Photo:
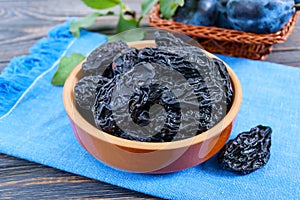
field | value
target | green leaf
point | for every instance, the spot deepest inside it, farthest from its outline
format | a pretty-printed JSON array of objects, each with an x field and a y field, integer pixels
[
  {"x": 65, "y": 66},
  {"x": 147, "y": 5},
  {"x": 101, "y": 4},
  {"x": 85, "y": 22},
  {"x": 168, "y": 7},
  {"x": 129, "y": 36},
  {"x": 127, "y": 19}
]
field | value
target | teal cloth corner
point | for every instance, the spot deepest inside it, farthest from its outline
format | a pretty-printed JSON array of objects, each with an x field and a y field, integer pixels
[{"x": 42, "y": 133}]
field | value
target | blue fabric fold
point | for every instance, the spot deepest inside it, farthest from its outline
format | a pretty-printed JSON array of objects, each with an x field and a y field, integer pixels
[
  {"x": 38, "y": 129},
  {"x": 23, "y": 70}
]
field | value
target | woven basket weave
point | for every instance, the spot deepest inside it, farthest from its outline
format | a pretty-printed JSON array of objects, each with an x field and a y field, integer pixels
[{"x": 226, "y": 41}]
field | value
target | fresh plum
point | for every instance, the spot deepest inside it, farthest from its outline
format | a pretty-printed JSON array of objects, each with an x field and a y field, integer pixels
[
  {"x": 222, "y": 20},
  {"x": 186, "y": 12},
  {"x": 206, "y": 13},
  {"x": 199, "y": 13},
  {"x": 259, "y": 16}
]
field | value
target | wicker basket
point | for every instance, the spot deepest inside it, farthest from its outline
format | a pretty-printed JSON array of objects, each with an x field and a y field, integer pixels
[{"x": 226, "y": 41}]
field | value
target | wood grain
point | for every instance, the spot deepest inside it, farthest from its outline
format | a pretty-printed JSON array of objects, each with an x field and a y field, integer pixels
[
  {"x": 20, "y": 179},
  {"x": 24, "y": 22}
]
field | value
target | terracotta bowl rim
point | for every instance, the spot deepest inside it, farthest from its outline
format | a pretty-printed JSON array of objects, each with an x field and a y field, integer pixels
[{"x": 77, "y": 118}]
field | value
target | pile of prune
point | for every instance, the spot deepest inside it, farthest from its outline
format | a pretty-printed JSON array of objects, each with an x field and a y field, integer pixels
[
  {"x": 248, "y": 152},
  {"x": 256, "y": 16},
  {"x": 171, "y": 92}
]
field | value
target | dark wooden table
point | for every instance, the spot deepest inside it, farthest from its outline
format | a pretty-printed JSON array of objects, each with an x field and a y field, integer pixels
[{"x": 22, "y": 23}]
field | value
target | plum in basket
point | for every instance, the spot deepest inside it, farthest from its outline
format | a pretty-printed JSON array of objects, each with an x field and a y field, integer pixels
[{"x": 259, "y": 16}]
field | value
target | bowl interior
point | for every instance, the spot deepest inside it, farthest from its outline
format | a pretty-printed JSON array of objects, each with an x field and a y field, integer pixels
[{"x": 80, "y": 121}]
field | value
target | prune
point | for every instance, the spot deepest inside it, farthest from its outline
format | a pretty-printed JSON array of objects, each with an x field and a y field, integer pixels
[
  {"x": 109, "y": 109},
  {"x": 85, "y": 90},
  {"x": 100, "y": 59},
  {"x": 260, "y": 16},
  {"x": 192, "y": 76},
  {"x": 166, "y": 39},
  {"x": 125, "y": 61},
  {"x": 215, "y": 75},
  {"x": 222, "y": 83},
  {"x": 248, "y": 152},
  {"x": 171, "y": 92}
]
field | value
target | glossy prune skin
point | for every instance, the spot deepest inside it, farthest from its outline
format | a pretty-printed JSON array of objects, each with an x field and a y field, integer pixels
[
  {"x": 85, "y": 90},
  {"x": 216, "y": 76},
  {"x": 163, "y": 94},
  {"x": 103, "y": 109},
  {"x": 99, "y": 60},
  {"x": 139, "y": 104},
  {"x": 123, "y": 62},
  {"x": 259, "y": 16},
  {"x": 248, "y": 152}
]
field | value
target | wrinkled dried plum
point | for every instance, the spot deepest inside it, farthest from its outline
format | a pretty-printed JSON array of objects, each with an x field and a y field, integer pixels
[
  {"x": 101, "y": 58},
  {"x": 171, "y": 92},
  {"x": 167, "y": 39},
  {"x": 215, "y": 75},
  {"x": 125, "y": 61},
  {"x": 85, "y": 90},
  {"x": 139, "y": 101},
  {"x": 248, "y": 152},
  {"x": 101, "y": 110},
  {"x": 192, "y": 76}
]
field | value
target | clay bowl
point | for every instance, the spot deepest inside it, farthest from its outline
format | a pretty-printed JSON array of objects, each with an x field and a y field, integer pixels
[{"x": 147, "y": 157}]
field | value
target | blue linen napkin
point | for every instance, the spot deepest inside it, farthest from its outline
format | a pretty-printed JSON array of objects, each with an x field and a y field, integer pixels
[{"x": 34, "y": 126}]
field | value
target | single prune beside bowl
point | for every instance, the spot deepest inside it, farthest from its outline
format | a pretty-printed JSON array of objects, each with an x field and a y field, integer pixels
[
  {"x": 259, "y": 16},
  {"x": 248, "y": 152}
]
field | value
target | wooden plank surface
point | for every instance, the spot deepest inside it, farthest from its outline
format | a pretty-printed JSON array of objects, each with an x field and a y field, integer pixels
[
  {"x": 20, "y": 179},
  {"x": 24, "y": 22}
]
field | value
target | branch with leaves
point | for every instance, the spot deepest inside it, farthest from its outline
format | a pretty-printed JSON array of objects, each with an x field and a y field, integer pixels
[
  {"x": 127, "y": 17},
  {"x": 127, "y": 21}
]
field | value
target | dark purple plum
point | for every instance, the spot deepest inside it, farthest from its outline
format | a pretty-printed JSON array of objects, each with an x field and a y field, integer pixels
[
  {"x": 206, "y": 13},
  {"x": 222, "y": 20},
  {"x": 259, "y": 16},
  {"x": 186, "y": 12},
  {"x": 297, "y": 2}
]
